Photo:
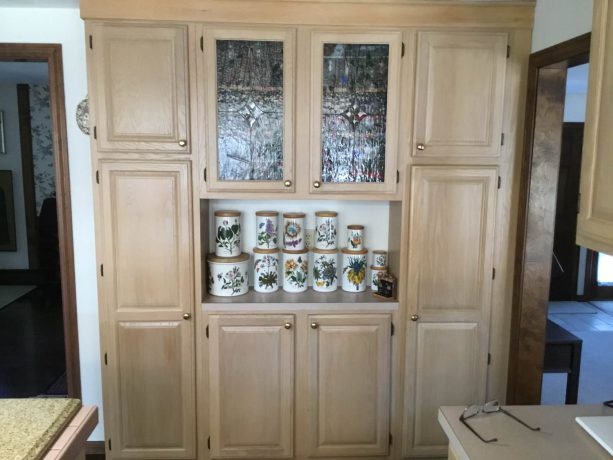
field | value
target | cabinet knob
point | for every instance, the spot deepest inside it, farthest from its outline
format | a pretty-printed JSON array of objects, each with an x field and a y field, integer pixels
[
  {"x": 287, "y": 183},
  {"x": 187, "y": 316},
  {"x": 182, "y": 143},
  {"x": 414, "y": 317},
  {"x": 288, "y": 325},
  {"x": 316, "y": 184},
  {"x": 314, "y": 325},
  {"x": 421, "y": 147}
]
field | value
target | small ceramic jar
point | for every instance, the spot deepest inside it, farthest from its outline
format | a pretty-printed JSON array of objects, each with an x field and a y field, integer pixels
[
  {"x": 266, "y": 229},
  {"x": 227, "y": 233},
  {"x": 354, "y": 270},
  {"x": 325, "y": 229},
  {"x": 355, "y": 236},
  {"x": 228, "y": 276},
  {"x": 295, "y": 270},
  {"x": 379, "y": 259},
  {"x": 293, "y": 231},
  {"x": 265, "y": 270},
  {"x": 325, "y": 278},
  {"x": 375, "y": 274}
]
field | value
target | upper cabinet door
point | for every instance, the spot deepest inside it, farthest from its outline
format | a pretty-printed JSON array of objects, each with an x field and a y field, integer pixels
[
  {"x": 140, "y": 77},
  {"x": 459, "y": 94},
  {"x": 249, "y": 81},
  {"x": 595, "y": 221},
  {"x": 354, "y": 124}
]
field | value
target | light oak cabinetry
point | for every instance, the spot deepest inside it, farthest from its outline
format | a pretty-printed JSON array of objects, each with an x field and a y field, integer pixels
[{"x": 595, "y": 221}]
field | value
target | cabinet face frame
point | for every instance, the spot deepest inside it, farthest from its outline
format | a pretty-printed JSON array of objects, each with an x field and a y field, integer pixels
[
  {"x": 394, "y": 40},
  {"x": 208, "y": 78}
]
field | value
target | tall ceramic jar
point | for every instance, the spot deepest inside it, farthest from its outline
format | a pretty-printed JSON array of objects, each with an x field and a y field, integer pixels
[
  {"x": 265, "y": 270},
  {"x": 375, "y": 274},
  {"x": 354, "y": 270},
  {"x": 266, "y": 229},
  {"x": 326, "y": 224},
  {"x": 227, "y": 233},
  {"x": 228, "y": 276},
  {"x": 355, "y": 237},
  {"x": 379, "y": 259},
  {"x": 293, "y": 231},
  {"x": 295, "y": 270},
  {"x": 325, "y": 265}
]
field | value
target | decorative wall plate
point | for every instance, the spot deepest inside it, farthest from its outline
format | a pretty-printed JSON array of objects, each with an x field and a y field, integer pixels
[{"x": 82, "y": 115}]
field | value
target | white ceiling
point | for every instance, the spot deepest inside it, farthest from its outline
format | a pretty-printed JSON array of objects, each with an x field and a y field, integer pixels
[
  {"x": 39, "y": 3},
  {"x": 576, "y": 79},
  {"x": 32, "y": 73}
]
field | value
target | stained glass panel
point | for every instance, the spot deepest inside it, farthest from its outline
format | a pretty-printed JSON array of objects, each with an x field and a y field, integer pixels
[
  {"x": 250, "y": 110},
  {"x": 354, "y": 110}
]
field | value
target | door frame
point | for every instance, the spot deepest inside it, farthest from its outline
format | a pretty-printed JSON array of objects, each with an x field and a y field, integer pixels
[
  {"x": 52, "y": 55},
  {"x": 529, "y": 318}
]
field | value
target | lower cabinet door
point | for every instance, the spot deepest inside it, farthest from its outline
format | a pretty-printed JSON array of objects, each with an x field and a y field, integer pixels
[
  {"x": 251, "y": 369},
  {"x": 349, "y": 385}
]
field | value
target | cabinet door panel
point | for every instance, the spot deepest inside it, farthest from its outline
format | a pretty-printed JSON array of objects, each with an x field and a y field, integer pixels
[
  {"x": 141, "y": 84},
  {"x": 251, "y": 386},
  {"x": 349, "y": 379},
  {"x": 459, "y": 93}
]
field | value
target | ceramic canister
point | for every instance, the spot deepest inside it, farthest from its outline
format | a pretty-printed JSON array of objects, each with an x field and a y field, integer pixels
[
  {"x": 228, "y": 276},
  {"x": 227, "y": 233},
  {"x": 379, "y": 259},
  {"x": 266, "y": 230},
  {"x": 354, "y": 270},
  {"x": 265, "y": 270},
  {"x": 355, "y": 236},
  {"x": 295, "y": 270},
  {"x": 325, "y": 229},
  {"x": 375, "y": 274},
  {"x": 325, "y": 264},
  {"x": 293, "y": 231}
]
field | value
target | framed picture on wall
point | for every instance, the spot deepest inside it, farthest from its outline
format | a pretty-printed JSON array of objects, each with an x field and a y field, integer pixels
[{"x": 7, "y": 212}]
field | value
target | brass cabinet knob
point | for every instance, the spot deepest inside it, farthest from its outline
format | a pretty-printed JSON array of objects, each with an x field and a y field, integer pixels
[
  {"x": 288, "y": 325},
  {"x": 421, "y": 147},
  {"x": 287, "y": 183},
  {"x": 414, "y": 317},
  {"x": 182, "y": 143},
  {"x": 316, "y": 184},
  {"x": 187, "y": 316},
  {"x": 314, "y": 325}
]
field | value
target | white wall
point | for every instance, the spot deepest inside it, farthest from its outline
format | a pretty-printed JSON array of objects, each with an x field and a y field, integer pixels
[
  {"x": 556, "y": 21},
  {"x": 64, "y": 26}
]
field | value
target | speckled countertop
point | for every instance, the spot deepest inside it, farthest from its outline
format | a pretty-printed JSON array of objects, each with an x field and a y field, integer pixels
[{"x": 29, "y": 426}]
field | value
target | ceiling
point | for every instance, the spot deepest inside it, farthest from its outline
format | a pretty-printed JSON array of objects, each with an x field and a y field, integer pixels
[
  {"x": 39, "y": 3},
  {"x": 32, "y": 73}
]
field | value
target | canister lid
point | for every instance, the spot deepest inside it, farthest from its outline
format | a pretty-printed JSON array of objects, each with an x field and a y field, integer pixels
[
  {"x": 379, "y": 251},
  {"x": 326, "y": 213},
  {"x": 374, "y": 267},
  {"x": 349, "y": 251},
  {"x": 242, "y": 257},
  {"x": 267, "y": 213},
  {"x": 355, "y": 227},
  {"x": 293, "y": 251},
  {"x": 227, "y": 213},
  {"x": 293, "y": 215},
  {"x": 265, "y": 251},
  {"x": 324, "y": 251}
]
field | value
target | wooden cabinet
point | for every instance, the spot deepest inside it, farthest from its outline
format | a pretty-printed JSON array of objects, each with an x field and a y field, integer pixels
[
  {"x": 349, "y": 385},
  {"x": 449, "y": 296},
  {"x": 147, "y": 299},
  {"x": 251, "y": 375},
  {"x": 595, "y": 221},
  {"x": 459, "y": 94},
  {"x": 139, "y": 84}
]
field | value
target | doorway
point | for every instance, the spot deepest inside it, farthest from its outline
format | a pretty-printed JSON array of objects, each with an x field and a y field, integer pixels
[{"x": 38, "y": 328}]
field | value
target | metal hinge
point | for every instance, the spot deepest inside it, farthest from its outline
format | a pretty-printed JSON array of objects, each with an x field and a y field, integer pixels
[
  {"x": 91, "y": 43},
  {"x": 204, "y": 174},
  {"x": 202, "y": 43},
  {"x": 493, "y": 273},
  {"x": 106, "y": 361},
  {"x": 208, "y": 443},
  {"x": 95, "y": 133},
  {"x": 207, "y": 331},
  {"x": 110, "y": 444},
  {"x": 101, "y": 269},
  {"x": 579, "y": 203},
  {"x": 391, "y": 439},
  {"x": 489, "y": 359},
  {"x": 397, "y": 176},
  {"x": 393, "y": 329},
  {"x": 508, "y": 51},
  {"x": 97, "y": 177},
  {"x": 402, "y": 52},
  {"x": 499, "y": 181},
  {"x": 501, "y": 138}
]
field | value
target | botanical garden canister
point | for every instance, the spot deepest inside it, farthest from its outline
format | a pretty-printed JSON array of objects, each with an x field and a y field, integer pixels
[
  {"x": 293, "y": 231},
  {"x": 354, "y": 270},
  {"x": 265, "y": 270},
  {"x": 266, "y": 229},
  {"x": 375, "y": 274},
  {"x": 295, "y": 270},
  {"x": 326, "y": 224},
  {"x": 355, "y": 237},
  {"x": 228, "y": 276},
  {"x": 227, "y": 233},
  {"x": 325, "y": 264},
  {"x": 379, "y": 259}
]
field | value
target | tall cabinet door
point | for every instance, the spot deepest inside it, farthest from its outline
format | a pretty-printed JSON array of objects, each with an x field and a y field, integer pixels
[
  {"x": 449, "y": 296},
  {"x": 140, "y": 80},
  {"x": 251, "y": 371},
  {"x": 148, "y": 299},
  {"x": 595, "y": 221},
  {"x": 348, "y": 385},
  {"x": 459, "y": 94}
]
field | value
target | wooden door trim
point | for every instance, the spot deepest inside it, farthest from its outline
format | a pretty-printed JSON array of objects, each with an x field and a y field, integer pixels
[
  {"x": 527, "y": 333},
  {"x": 52, "y": 55}
]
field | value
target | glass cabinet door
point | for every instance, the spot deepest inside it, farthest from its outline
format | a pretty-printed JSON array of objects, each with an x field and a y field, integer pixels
[
  {"x": 355, "y": 111},
  {"x": 249, "y": 92}
]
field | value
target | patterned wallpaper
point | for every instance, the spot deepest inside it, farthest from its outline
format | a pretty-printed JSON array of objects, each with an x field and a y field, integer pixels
[{"x": 42, "y": 144}]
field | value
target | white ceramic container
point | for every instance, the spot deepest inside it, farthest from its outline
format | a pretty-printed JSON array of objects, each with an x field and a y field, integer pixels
[
  {"x": 293, "y": 231},
  {"x": 227, "y": 233},
  {"x": 295, "y": 270},
  {"x": 379, "y": 259},
  {"x": 354, "y": 270},
  {"x": 265, "y": 270},
  {"x": 326, "y": 225},
  {"x": 325, "y": 265},
  {"x": 375, "y": 274},
  {"x": 228, "y": 276},
  {"x": 355, "y": 237},
  {"x": 266, "y": 230}
]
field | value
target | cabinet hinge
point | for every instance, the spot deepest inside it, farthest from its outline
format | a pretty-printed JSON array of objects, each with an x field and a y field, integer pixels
[
  {"x": 106, "y": 361},
  {"x": 202, "y": 43},
  {"x": 91, "y": 43},
  {"x": 579, "y": 203},
  {"x": 499, "y": 181},
  {"x": 402, "y": 51},
  {"x": 97, "y": 177},
  {"x": 110, "y": 444},
  {"x": 207, "y": 331},
  {"x": 391, "y": 439},
  {"x": 508, "y": 51},
  {"x": 101, "y": 269},
  {"x": 95, "y": 133},
  {"x": 489, "y": 359},
  {"x": 392, "y": 329},
  {"x": 204, "y": 174},
  {"x": 493, "y": 273},
  {"x": 397, "y": 176},
  {"x": 501, "y": 138},
  {"x": 208, "y": 443}
]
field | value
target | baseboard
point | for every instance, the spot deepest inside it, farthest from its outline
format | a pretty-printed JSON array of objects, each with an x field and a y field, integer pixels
[{"x": 94, "y": 448}]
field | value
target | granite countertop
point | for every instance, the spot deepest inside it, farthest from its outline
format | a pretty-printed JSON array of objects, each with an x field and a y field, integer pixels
[{"x": 29, "y": 426}]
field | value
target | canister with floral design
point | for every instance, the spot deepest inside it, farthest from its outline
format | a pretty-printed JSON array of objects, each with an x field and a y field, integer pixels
[
  {"x": 354, "y": 270},
  {"x": 228, "y": 276},
  {"x": 266, "y": 229},
  {"x": 355, "y": 237},
  {"x": 265, "y": 270},
  {"x": 379, "y": 259},
  {"x": 325, "y": 263},
  {"x": 227, "y": 233},
  {"x": 295, "y": 270},
  {"x": 293, "y": 231},
  {"x": 325, "y": 229},
  {"x": 375, "y": 274}
]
